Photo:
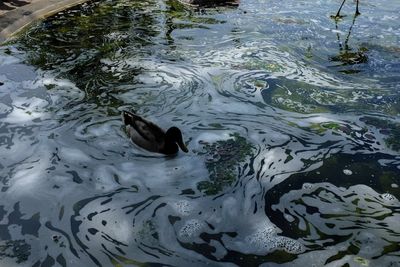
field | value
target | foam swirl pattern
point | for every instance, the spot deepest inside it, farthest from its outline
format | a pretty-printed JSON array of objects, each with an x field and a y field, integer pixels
[{"x": 294, "y": 151}]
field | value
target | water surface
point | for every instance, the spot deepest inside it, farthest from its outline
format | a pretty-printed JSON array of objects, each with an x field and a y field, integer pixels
[{"x": 292, "y": 121}]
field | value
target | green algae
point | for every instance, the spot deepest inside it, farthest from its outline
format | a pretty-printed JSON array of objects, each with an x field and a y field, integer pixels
[
  {"x": 349, "y": 57},
  {"x": 388, "y": 128},
  {"x": 295, "y": 96},
  {"x": 223, "y": 159},
  {"x": 321, "y": 128},
  {"x": 302, "y": 97},
  {"x": 17, "y": 249},
  {"x": 256, "y": 64},
  {"x": 338, "y": 129}
]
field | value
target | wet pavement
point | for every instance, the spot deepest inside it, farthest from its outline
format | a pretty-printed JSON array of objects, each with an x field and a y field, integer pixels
[
  {"x": 8, "y": 5},
  {"x": 16, "y": 15}
]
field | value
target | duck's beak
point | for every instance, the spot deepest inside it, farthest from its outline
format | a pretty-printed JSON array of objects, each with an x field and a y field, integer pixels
[
  {"x": 183, "y": 147},
  {"x": 127, "y": 118}
]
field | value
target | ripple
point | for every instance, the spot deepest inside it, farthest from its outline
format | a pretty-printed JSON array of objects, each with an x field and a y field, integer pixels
[
  {"x": 292, "y": 160},
  {"x": 326, "y": 213}
]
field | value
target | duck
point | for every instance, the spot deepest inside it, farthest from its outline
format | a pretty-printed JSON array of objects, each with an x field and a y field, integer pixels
[{"x": 151, "y": 137}]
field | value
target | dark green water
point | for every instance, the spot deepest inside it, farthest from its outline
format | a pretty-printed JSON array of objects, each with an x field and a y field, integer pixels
[{"x": 292, "y": 122}]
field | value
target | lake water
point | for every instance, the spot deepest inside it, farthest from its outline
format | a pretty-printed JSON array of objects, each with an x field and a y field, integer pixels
[{"x": 292, "y": 123}]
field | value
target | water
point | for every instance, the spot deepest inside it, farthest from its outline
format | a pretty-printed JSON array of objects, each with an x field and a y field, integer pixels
[{"x": 293, "y": 136}]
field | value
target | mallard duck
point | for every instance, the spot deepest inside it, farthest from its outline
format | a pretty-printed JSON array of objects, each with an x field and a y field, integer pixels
[{"x": 151, "y": 137}]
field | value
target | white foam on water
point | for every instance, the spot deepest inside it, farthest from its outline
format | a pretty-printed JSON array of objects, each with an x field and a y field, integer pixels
[
  {"x": 388, "y": 198},
  {"x": 265, "y": 240},
  {"x": 7, "y": 59},
  {"x": 183, "y": 207},
  {"x": 212, "y": 137},
  {"x": 29, "y": 178},
  {"x": 289, "y": 218},
  {"x": 114, "y": 164},
  {"x": 26, "y": 110},
  {"x": 120, "y": 230},
  {"x": 230, "y": 208},
  {"x": 74, "y": 155},
  {"x": 308, "y": 186},
  {"x": 26, "y": 180},
  {"x": 4, "y": 108},
  {"x": 18, "y": 72},
  {"x": 347, "y": 172},
  {"x": 191, "y": 229},
  {"x": 103, "y": 177}
]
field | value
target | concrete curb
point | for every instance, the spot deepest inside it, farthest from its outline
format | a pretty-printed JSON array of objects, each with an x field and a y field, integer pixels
[
  {"x": 15, "y": 20},
  {"x": 199, "y": 3}
]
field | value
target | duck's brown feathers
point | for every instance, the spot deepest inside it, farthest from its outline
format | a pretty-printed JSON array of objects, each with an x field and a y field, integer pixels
[{"x": 149, "y": 136}]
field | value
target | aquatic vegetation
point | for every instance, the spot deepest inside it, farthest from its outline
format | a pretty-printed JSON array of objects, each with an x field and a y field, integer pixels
[
  {"x": 223, "y": 159},
  {"x": 257, "y": 64},
  {"x": 387, "y": 128},
  {"x": 17, "y": 249},
  {"x": 297, "y": 96},
  {"x": 304, "y": 98},
  {"x": 336, "y": 128},
  {"x": 321, "y": 128}
]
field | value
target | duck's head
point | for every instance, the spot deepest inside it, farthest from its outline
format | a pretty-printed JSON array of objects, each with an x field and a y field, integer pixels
[
  {"x": 127, "y": 118},
  {"x": 175, "y": 135}
]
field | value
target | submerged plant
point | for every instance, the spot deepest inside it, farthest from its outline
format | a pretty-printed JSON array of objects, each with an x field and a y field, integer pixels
[
  {"x": 17, "y": 249},
  {"x": 388, "y": 128},
  {"x": 222, "y": 161}
]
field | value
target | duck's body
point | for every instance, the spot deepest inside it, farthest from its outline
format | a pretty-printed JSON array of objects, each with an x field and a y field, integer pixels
[{"x": 151, "y": 137}]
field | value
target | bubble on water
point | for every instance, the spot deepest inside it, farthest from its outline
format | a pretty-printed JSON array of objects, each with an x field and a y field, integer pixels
[
  {"x": 394, "y": 185},
  {"x": 347, "y": 172},
  {"x": 183, "y": 207},
  {"x": 289, "y": 218},
  {"x": 116, "y": 36},
  {"x": 388, "y": 197},
  {"x": 147, "y": 234},
  {"x": 307, "y": 186},
  {"x": 262, "y": 238},
  {"x": 266, "y": 240},
  {"x": 208, "y": 137},
  {"x": 191, "y": 228},
  {"x": 290, "y": 245}
]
